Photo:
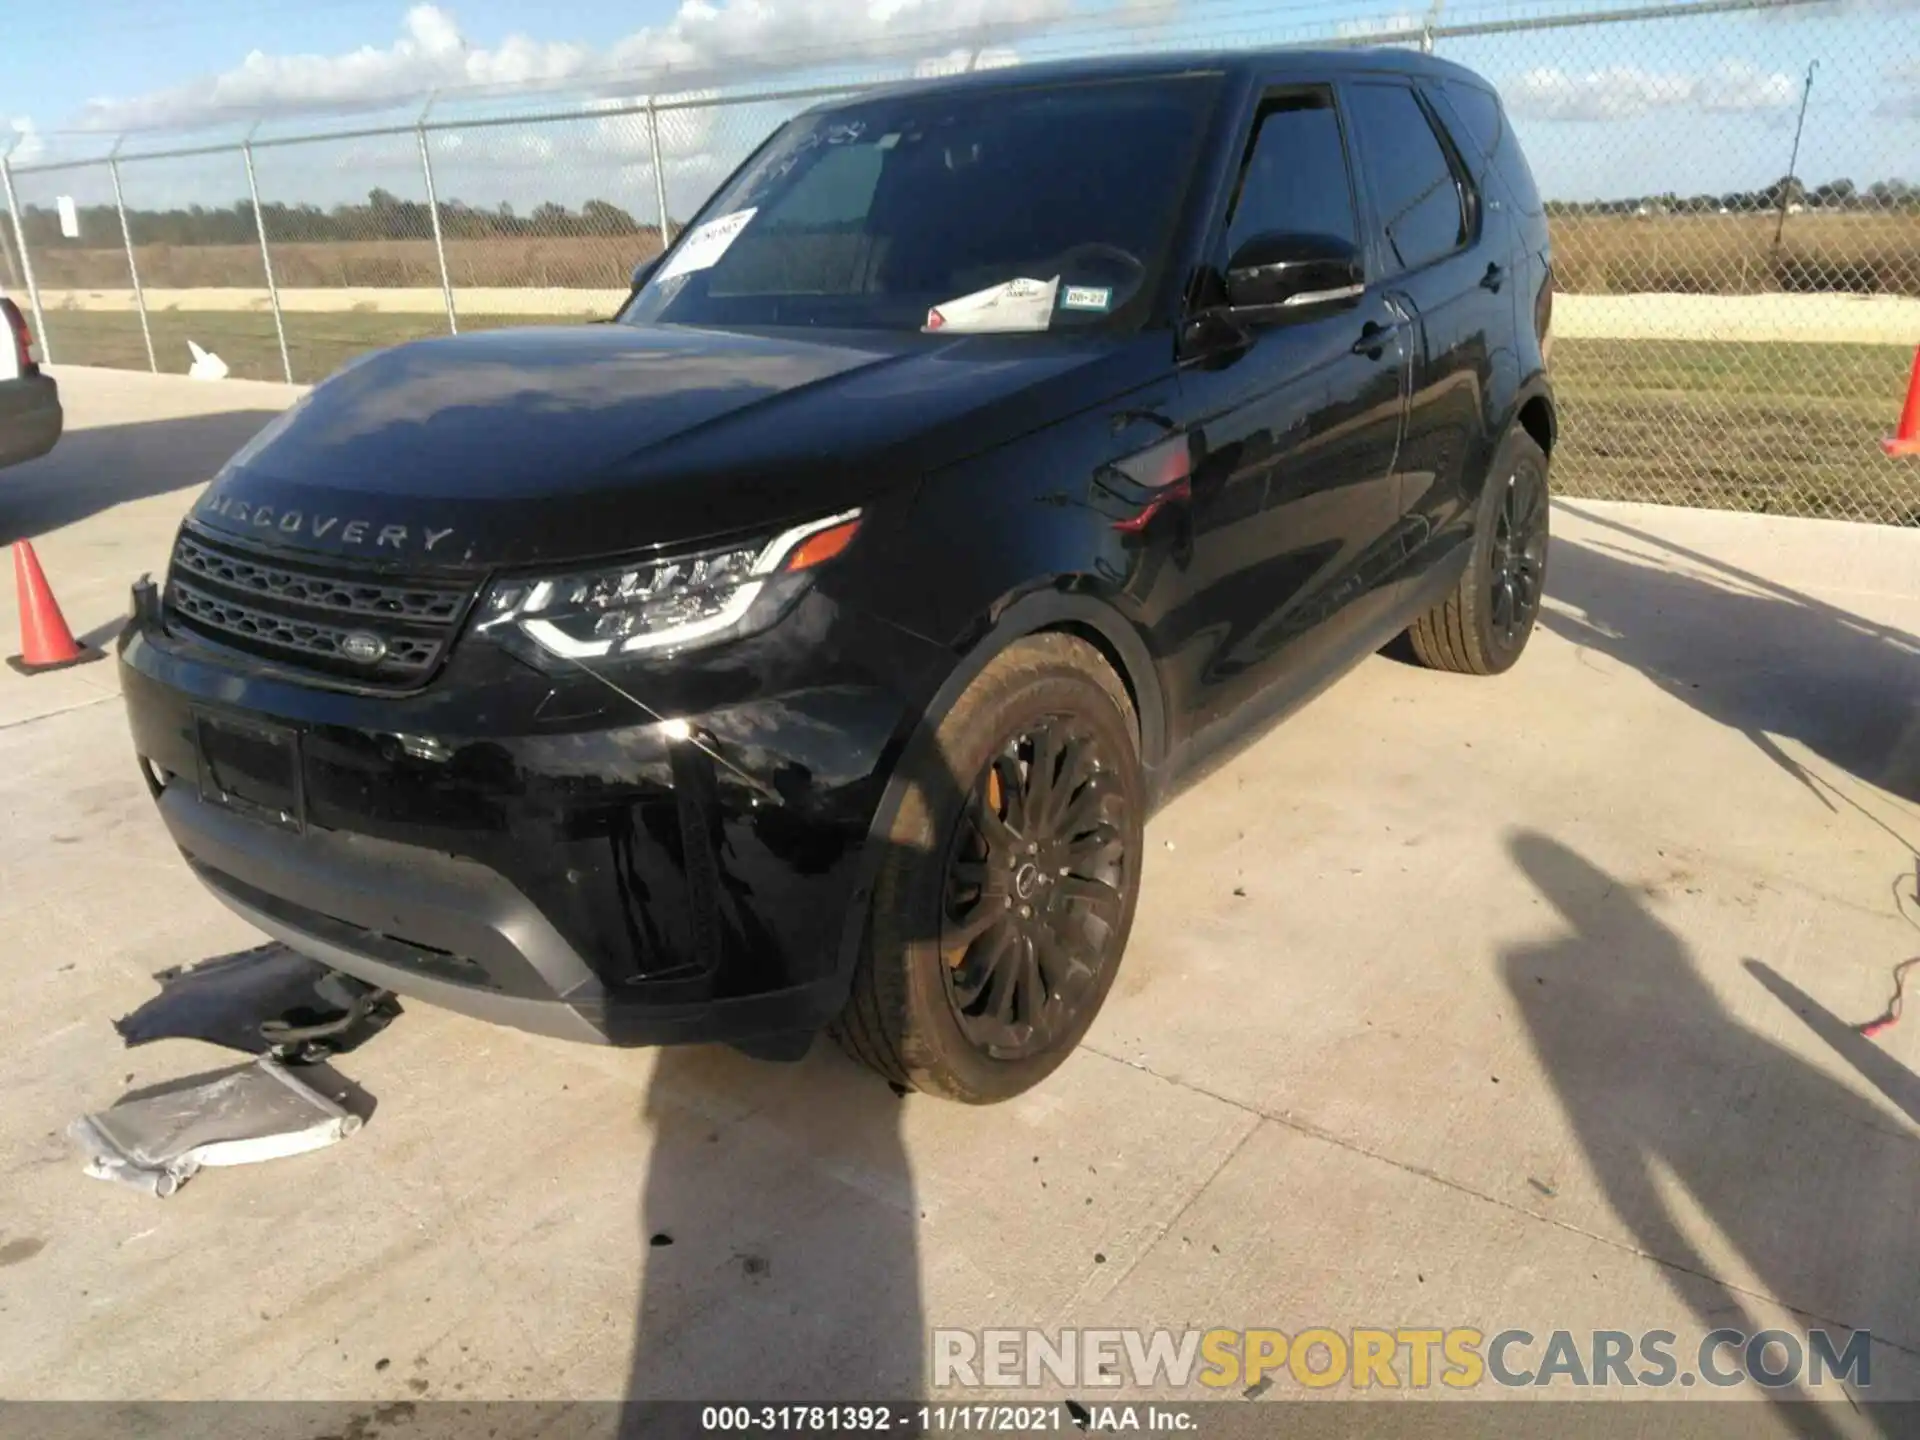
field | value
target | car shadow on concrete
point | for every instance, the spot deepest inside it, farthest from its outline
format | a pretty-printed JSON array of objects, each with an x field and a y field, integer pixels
[
  {"x": 780, "y": 1226},
  {"x": 779, "y": 1214},
  {"x": 101, "y": 466},
  {"x": 779, "y": 1211},
  {"x": 1759, "y": 657},
  {"x": 1741, "y": 1167}
]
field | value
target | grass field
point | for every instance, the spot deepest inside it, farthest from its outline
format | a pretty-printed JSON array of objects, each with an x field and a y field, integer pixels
[
  {"x": 572, "y": 261},
  {"x": 318, "y": 342},
  {"x": 1863, "y": 251},
  {"x": 1786, "y": 429}
]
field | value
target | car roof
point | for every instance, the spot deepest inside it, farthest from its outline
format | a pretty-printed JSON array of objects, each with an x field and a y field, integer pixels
[{"x": 1240, "y": 64}]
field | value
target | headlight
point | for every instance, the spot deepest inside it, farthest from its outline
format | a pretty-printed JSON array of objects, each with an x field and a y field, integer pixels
[{"x": 669, "y": 603}]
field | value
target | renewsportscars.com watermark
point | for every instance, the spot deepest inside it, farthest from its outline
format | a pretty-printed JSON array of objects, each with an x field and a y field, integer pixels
[{"x": 1404, "y": 1358}]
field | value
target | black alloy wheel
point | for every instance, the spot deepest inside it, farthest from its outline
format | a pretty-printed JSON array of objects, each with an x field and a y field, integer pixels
[
  {"x": 1519, "y": 555},
  {"x": 1035, "y": 889}
]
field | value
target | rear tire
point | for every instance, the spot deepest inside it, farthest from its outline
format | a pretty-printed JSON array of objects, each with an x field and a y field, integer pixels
[
  {"x": 1004, "y": 899},
  {"x": 1481, "y": 628}
]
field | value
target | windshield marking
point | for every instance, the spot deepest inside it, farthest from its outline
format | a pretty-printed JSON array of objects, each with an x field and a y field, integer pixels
[
  {"x": 702, "y": 249},
  {"x": 1086, "y": 297},
  {"x": 1015, "y": 305}
]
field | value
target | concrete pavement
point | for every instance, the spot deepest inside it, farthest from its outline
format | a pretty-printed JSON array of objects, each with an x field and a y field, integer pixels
[{"x": 1451, "y": 1002}]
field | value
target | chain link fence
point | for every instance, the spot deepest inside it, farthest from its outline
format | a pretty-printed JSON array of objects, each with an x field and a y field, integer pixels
[{"x": 1736, "y": 242}]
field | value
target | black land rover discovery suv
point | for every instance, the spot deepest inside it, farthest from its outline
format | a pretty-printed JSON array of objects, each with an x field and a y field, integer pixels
[{"x": 807, "y": 647}]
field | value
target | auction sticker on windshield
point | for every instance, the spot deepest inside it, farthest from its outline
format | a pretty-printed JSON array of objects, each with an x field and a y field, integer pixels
[
  {"x": 1014, "y": 305},
  {"x": 702, "y": 249}
]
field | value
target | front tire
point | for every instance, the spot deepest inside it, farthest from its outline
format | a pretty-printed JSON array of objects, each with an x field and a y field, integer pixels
[
  {"x": 1006, "y": 894},
  {"x": 1481, "y": 628}
]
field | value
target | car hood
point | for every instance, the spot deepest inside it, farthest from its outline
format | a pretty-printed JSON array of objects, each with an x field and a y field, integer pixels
[{"x": 532, "y": 445}]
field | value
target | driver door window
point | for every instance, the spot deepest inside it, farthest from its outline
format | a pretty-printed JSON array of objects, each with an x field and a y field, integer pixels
[{"x": 1295, "y": 178}]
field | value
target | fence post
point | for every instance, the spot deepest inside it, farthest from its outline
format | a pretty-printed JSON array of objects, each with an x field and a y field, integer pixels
[
  {"x": 12, "y": 275},
  {"x": 133, "y": 265},
  {"x": 659, "y": 174},
  {"x": 26, "y": 260},
  {"x": 439, "y": 242},
  {"x": 266, "y": 259}
]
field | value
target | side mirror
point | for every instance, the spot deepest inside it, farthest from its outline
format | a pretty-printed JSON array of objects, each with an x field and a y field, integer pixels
[
  {"x": 1287, "y": 272},
  {"x": 641, "y": 272}
]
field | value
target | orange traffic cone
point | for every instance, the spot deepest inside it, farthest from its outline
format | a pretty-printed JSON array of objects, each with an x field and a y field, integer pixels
[
  {"x": 1906, "y": 439},
  {"x": 45, "y": 641}
]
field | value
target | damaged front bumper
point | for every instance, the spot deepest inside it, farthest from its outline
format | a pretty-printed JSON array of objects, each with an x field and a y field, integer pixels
[{"x": 662, "y": 853}]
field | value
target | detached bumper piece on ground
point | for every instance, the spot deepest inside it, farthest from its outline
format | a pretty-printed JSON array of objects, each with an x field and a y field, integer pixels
[
  {"x": 158, "y": 1141},
  {"x": 271, "y": 1002}
]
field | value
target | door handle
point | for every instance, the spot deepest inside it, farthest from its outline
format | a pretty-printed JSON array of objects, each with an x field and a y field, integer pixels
[
  {"x": 1375, "y": 337},
  {"x": 1495, "y": 277}
]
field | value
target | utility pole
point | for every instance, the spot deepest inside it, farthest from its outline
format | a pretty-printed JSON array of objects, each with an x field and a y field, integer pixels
[{"x": 1793, "y": 161}]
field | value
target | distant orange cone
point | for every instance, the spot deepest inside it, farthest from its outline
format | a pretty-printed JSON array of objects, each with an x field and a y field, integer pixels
[
  {"x": 45, "y": 641},
  {"x": 1906, "y": 439}
]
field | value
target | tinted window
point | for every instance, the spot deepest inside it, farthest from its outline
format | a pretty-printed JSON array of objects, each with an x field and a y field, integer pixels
[
  {"x": 871, "y": 214},
  {"x": 1413, "y": 184},
  {"x": 1486, "y": 125},
  {"x": 1296, "y": 175}
]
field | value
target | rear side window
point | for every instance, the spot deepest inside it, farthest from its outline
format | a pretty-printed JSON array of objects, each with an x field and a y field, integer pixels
[
  {"x": 1419, "y": 197},
  {"x": 1295, "y": 178},
  {"x": 1485, "y": 122}
]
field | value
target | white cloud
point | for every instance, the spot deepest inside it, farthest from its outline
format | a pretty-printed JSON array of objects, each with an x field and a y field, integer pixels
[
  {"x": 1903, "y": 101},
  {"x": 1623, "y": 91},
  {"x": 1742, "y": 85},
  {"x": 1550, "y": 93},
  {"x": 27, "y": 146},
  {"x": 703, "y": 37}
]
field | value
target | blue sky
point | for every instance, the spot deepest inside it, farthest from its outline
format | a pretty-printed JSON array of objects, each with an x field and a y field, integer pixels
[{"x": 1696, "y": 104}]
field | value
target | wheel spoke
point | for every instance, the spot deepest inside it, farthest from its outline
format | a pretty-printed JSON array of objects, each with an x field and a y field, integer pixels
[
  {"x": 1000, "y": 989},
  {"x": 1102, "y": 898},
  {"x": 1067, "y": 973},
  {"x": 958, "y": 934},
  {"x": 1031, "y": 990},
  {"x": 1084, "y": 807},
  {"x": 1056, "y": 962},
  {"x": 1078, "y": 766},
  {"x": 972, "y": 977},
  {"x": 1094, "y": 846},
  {"x": 1013, "y": 789},
  {"x": 1041, "y": 782},
  {"x": 1503, "y": 602},
  {"x": 1530, "y": 510},
  {"x": 971, "y": 874}
]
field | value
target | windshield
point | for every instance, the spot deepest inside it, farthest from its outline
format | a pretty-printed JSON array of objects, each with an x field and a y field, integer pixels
[{"x": 986, "y": 210}]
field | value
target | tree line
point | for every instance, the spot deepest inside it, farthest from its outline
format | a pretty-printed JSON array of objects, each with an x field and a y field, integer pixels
[
  {"x": 384, "y": 216},
  {"x": 1882, "y": 197}
]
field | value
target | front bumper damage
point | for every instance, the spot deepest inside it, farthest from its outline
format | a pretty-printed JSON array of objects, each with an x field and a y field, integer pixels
[{"x": 670, "y": 852}]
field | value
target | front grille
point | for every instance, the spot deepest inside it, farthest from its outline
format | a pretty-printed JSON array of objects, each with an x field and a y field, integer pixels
[{"x": 350, "y": 625}]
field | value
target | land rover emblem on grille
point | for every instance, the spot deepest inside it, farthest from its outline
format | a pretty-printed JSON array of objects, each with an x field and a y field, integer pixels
[{"x": 364, "y": 646}]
